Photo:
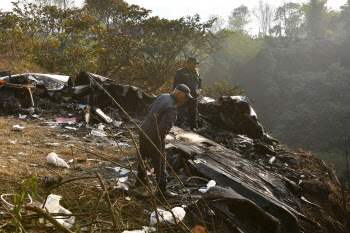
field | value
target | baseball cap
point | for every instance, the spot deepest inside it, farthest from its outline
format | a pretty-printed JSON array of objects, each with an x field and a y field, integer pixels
[
  {"x": 192, "y": 59},
  {"x": 183, "y": 88}
]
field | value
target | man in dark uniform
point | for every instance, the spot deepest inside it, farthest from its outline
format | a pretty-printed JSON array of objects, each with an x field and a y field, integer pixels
[
  {"x": 162, "y": 115},
  {"x": 189, "y": 76}
]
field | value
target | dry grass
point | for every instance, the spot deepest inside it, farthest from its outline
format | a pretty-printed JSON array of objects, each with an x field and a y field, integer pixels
[
  {"x": 23, "y": 153},
  {"x": 18, "y": 64}
]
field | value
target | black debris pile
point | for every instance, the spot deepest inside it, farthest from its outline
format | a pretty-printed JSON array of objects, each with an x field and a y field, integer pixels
[
  {"x": 257, "y": 195},
  {"x": 235, "y": 114}
]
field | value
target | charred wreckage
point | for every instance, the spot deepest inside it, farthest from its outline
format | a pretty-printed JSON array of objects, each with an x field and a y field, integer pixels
[{"x": 255, "y": 184}]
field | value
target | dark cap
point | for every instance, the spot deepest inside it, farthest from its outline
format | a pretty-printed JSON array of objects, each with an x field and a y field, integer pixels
[
  {"x": 183, "y": 88},
  {"x": 192, "y": 59}
]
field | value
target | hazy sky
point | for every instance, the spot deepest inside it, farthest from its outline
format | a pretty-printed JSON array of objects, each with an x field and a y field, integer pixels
[{"x": 205, "y": 8}]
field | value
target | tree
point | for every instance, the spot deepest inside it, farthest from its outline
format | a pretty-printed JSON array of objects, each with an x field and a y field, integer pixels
[
  {"x": 315, "y": 18},
  {"x": 63, "y": 4},
  {"x": 289, "y": 18},
  {"x": 218, "y": 24},
  {"x": 264, "y": 15},
  {"x": 239, "y": 18}
]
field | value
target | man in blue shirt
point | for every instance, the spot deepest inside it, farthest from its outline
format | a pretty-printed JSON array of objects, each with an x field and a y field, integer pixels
[{"x": 161, "y": 116}]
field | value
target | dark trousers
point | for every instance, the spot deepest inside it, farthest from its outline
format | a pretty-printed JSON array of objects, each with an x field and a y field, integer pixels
[
  {"x": 148, "y": 151},
  {"x": 188, "y": 109}
]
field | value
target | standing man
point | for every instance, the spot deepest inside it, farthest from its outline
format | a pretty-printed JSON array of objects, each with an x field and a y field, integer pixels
[
  {"x": 160, "y": 118},
  {"x": 189, "y": 76}
]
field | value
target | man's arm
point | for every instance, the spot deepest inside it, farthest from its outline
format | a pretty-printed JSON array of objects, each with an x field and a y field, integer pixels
[
  {"x": 200, "y": 81},
  {"x": 166, "y": 122}
]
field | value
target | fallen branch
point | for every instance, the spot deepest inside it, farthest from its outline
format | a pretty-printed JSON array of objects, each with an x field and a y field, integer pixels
[{"x": 48, "y": 217}]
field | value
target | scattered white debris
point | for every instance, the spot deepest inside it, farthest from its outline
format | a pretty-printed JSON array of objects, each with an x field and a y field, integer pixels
[
  {"x": 71, "y": 161},
  {"x": 18, "y": 126},
  {"x": 122, "y": 179},
  {"x": 13, "y": 142},
  {"x": 122, "y": 144},
  {"x": 272, "y": 160},
  {"x": 72, "y": 128},
  {"x": 55, "y": 144},
  {"x": 166, "y": 216},
  {"x": 144, "y": 230},
  {"x": 101, "y": 126},
  {"x": 53, "y": 159},
  {"x": 35, "y": 116},
  {"x": 22, "y": 116},
  {"x": 98, "y": 133},
  {"x": 199, "y": 160},
  {"x": 122, "y": 186},
  {"x": 210, "y": 184},
  {"x": 117, "y": 123},
  {"x": 52, "y": 205},
  {"x": 124, "y": 171},
  {"x": 135, "y": 231}
]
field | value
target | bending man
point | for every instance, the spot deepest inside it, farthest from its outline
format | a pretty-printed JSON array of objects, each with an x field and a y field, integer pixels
[{"x": 162, "y": 114}]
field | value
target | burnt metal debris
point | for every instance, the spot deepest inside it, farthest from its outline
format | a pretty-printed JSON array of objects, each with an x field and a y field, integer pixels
[{"x": 258, "y": 188}]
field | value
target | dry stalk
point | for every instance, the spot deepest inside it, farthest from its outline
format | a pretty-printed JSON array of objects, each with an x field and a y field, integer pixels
[
  {"x": 138, "y": 127},
  {"x": 14, "y": 218},
  {"x": 95, "y": 210},
  {"x": 65, "y": 182},
  {"x": 205, "y": 202},
  {"x": 114, "y": 219}
]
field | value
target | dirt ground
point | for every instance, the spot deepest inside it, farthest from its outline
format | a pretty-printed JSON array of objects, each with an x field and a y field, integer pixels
[{"x": 23, "y": 154}]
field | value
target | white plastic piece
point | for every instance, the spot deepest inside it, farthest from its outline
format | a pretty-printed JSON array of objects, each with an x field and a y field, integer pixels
[
  {"x": 122, "y": 186},
  {"x": 101, "y": 127},
  {"x": 166, "y": 216},
  {"x": 122, "y": 179},
  {"x": 122, "y": 144},
  {"x": 53, "y": 159},
  {"x": 199, "y": 160},
  {"x": 11, "y": 205},
  {"x": 18, "y": 126},
  {"x": 98, "y": 133},
  {"x": 210, "y": 184},
  {"x": 135, "y": 231},
  {"x": 124, "y": 171},
  {"x": 272, "y": 160},
  {"x": 52, "y": 205},
  {"x": 117, "y": 123},
  {"x": 71, "y": 128}
]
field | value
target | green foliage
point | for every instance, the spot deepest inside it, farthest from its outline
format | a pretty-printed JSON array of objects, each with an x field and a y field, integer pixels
[
  {"x": 315, "y": 18},
  {"x": 108, "y": 37},
  {"x": 289, "y": 18},
  {"x": 18, "y": 199},
  {"x": 223, "y": 89},
  {"x": 239, "y": 18}
]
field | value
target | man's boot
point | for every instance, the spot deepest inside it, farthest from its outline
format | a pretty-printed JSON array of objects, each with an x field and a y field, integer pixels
[{"x": 168, "y": 194}]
